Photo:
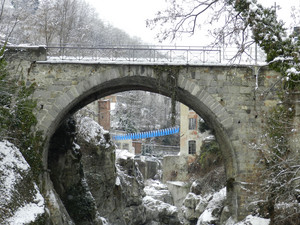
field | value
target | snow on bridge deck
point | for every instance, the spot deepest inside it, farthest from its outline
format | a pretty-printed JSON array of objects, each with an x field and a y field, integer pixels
[{"x": 150, "y": 54}]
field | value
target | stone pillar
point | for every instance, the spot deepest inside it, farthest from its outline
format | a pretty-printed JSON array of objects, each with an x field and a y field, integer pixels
[{"x": 36, "y": 53}]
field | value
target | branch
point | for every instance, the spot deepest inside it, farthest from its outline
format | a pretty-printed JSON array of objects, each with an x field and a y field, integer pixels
[{"x": 2, "y": 9}]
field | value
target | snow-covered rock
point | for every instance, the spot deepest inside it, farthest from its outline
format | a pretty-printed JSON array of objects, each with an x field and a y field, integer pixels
[
  {"x": 30, "y": 211},
  {"x": 150, "y": 167},
  {"x": 160, "y": 212},
  {"x": 21, "y": 201},
  {"x": 91, "y": 131},
  {"x": 193, "y": 206},
  {"x": 158, "y": 191},
  {"x": 112, "y": 175},
  {"x": 213, "y": 209},
  {"x": 249, "y": 220},
  {"x": 159, "y": 204},
  {"x": 191, "y": 200},
  {"x": 123, "y": 155}
]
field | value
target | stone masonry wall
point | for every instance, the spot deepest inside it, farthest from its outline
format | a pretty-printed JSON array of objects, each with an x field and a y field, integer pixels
[{"x": 231, "y": 99}]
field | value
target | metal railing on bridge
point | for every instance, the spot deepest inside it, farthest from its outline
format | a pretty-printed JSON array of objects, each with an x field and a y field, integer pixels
[
  {"x": 156, "y": 54},
  {"x": 140, "y": 53}
]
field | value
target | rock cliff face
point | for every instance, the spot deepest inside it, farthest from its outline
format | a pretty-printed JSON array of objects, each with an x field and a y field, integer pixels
[
  {"x": 66, "y": 173},
  {"x": 115, "y": 182},
  {"x": 92, "y": 179},
  {"x": 117, "y": 190}
]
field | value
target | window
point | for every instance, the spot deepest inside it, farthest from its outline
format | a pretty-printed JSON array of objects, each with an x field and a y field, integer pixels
[
  {"x": 192, "y": 147},
  {"x": 192, "y": 123}
]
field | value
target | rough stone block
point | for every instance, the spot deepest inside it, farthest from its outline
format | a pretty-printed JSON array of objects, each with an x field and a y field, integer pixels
[
  {"x": 227, "y": 123},
  {"x": 244, "y": 90},
  {"x": 195, "y": 90},
  {"x": 72, "y": 93},
  {"x": 62, "y": 101}
]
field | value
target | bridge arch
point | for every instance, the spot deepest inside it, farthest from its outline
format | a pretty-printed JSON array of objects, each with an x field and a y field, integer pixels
[{"x": 112, "y": 80}]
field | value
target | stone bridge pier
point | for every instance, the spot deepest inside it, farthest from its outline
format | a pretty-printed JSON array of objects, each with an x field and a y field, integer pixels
[{"x": 232, "y": 99}]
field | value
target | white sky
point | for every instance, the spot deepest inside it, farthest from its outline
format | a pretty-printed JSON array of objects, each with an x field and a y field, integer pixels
[{"x": 130, "y": 16}]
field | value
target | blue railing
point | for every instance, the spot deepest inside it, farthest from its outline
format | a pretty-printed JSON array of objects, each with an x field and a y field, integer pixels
[{"x": 148, "y": 134}]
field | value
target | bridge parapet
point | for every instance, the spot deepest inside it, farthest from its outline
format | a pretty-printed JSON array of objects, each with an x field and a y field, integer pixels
[
  {"x": 140, "y": 53},
  {"x": 146, "y": 54},
  {"x": 28, "y": 53}
]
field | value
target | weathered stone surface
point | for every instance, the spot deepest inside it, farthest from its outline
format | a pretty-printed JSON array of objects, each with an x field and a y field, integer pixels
[
  {"x": 100, "y": 173},
  {"x": 150, "y": 167},
  {"x": 68, "y": 178},
  {"x": 175, "y": 168},
  {"x": 191, "y": 200},
  {"x": 117, "y": 186},
  {"x": 193, "y": 207},
  {"x": 178, "y": 190},
  {"x": 158, "y": 191},
  {"x": 160, "y": 212}
]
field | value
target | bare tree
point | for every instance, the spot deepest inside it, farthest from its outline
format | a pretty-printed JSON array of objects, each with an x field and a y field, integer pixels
[{"x": 239, "y": 23}]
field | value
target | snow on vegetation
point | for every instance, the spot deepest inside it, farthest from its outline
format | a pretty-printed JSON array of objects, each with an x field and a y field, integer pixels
[
  {"x": 28, "y": 212},
  {"x": 12, "y": 163},
  {"x": 13, "y": 167}
]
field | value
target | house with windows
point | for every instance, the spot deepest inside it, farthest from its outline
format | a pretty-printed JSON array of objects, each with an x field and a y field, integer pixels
[
  {"x": 190, "y": 136},
  {"x": 191, "y": 139}
]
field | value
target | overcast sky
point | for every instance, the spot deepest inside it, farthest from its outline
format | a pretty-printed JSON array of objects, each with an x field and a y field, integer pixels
[{"x": 130, "y": 15}]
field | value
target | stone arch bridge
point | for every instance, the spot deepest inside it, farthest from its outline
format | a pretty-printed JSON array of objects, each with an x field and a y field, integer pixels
[{"x": 231, "y": 99}]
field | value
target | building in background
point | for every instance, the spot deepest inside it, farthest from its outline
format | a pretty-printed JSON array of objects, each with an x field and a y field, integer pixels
[
  {"x": 103, "y": 112},
  {"x": 190, "y": 136}
]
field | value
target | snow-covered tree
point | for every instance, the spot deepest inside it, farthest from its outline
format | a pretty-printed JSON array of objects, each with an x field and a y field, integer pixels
[
  {"x": 57, "y": 23},
  {"x": 239, "y": 23},
  {"x": 242, "y": 23},
  {"x": 12, "y": 14},
  {"x": 143, "y": 111}
]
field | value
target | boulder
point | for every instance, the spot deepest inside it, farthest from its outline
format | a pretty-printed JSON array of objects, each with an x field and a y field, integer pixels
[
  {"x": 190, "y": 208},
  {"x": 160, "y": 212}
]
